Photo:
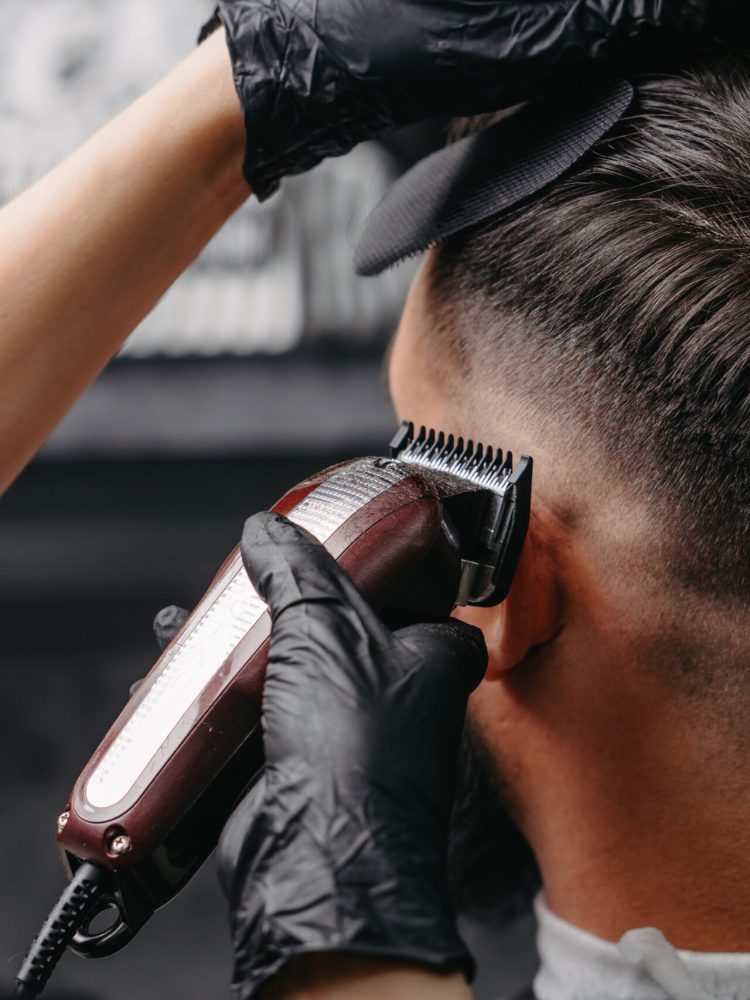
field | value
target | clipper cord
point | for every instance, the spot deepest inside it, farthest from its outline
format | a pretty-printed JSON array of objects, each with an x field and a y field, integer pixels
[{"x": 76, "y": 906}]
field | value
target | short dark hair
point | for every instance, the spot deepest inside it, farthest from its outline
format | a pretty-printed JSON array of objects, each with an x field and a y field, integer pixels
[{"x": 622, "y": 294}]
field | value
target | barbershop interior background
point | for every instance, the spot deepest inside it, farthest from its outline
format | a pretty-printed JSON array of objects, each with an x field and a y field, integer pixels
[{"x": 261, "y": 365}]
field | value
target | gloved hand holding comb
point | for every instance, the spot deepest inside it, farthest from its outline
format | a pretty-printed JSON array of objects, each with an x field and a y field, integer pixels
[{"x": 315, "y": 77}]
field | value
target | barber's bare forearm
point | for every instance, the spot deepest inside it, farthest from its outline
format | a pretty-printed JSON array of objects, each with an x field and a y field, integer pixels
[
  {"x": 87, "y": 251},
  {"x": 341, "y": 977}
]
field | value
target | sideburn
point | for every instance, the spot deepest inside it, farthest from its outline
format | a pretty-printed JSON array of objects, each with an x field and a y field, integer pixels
[{"x": 491, "y": 868}]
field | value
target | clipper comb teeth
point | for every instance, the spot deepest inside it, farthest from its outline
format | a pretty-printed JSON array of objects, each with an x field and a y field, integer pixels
[
  {"x": 485, "y": 467},
  {"x": 488, "y": 503}
]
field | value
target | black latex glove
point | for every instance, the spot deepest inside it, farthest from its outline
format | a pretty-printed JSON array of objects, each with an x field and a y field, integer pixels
[
  {"x": 341, "y": 845},
  {"x": 317, "y": 76},
  {"x": 168, "y": 623}
]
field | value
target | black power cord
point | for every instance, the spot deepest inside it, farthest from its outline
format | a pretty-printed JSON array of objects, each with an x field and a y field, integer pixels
[
  {"x": 75, "y": 908},
  {"x": 23, "y": 990}
]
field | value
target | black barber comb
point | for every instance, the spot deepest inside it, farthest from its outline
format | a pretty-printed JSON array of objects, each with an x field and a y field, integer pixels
[{"x": 489, "y": 173}]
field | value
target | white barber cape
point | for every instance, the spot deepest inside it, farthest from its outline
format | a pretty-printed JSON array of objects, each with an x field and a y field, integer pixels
[{"x": 643, "y": 965}]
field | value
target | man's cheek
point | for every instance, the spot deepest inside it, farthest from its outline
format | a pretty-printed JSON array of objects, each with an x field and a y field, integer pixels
[
  {"x": 486, "y": 718},
  {"x": 494, "y": 730},
  {"x": 491, "y": 865}
]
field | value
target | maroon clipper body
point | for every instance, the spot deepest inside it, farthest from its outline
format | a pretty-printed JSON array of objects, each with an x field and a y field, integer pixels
[{"x": 437, "y": 524}]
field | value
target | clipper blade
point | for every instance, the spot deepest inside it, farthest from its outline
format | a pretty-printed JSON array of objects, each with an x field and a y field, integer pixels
[{"x": 488, "y": 502}]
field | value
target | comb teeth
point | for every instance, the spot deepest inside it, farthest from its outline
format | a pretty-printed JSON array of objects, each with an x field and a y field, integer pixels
[{"x": 483, "y": 466}]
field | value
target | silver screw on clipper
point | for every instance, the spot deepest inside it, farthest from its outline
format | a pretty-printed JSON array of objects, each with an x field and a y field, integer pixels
[
  {"x": 62, "y": 821},
  {"x": 120, "y": 844}
]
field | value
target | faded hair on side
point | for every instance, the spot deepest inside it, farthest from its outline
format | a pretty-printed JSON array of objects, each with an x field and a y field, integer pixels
[{"x": 623, "y": 295}]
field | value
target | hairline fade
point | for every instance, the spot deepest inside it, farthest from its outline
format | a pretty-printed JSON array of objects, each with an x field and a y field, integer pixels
[{"x": 623, "y": 295}]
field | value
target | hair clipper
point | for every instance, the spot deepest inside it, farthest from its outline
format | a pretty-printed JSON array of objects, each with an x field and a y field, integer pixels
[{"x": 438, "y": 524}]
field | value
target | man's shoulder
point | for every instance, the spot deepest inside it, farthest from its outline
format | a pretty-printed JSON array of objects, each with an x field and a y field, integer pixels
[{"x": 527, "y": 994}]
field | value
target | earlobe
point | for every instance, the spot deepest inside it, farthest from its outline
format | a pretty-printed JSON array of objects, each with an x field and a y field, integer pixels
[{"x": 530, "y": 615}]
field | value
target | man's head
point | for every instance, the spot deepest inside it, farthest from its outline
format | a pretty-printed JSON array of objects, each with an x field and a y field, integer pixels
[{"x": 604, "y": 328}]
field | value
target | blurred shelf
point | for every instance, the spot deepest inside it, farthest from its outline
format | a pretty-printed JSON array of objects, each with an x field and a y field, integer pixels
[
  {"x": 289, "y": 404},
  {"x": 146, "y": 484}
]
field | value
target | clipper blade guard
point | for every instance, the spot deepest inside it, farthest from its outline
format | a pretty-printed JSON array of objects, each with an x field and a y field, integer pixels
[
  {"x": 438, "y": 523},
  {"x": 490, "y": 542}
]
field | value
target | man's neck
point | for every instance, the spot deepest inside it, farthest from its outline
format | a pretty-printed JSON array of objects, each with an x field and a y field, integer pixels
[{"x": 649, "y": 841}]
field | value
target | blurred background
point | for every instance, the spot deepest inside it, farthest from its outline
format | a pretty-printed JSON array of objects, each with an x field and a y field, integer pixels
[{"x": 262, "y": 364}]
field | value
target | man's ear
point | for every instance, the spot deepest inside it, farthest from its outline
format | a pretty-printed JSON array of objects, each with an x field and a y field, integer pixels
[{"x": 531, "y": 614}]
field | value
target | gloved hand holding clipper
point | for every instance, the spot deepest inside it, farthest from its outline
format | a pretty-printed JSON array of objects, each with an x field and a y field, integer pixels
[{"x": 341, "y": 845}]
